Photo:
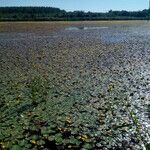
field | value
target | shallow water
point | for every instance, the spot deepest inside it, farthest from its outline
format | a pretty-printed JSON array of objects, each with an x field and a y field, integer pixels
[{"x": 96, "y": 69}]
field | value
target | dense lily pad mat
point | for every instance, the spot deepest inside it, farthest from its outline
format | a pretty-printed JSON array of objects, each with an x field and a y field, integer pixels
[
  {"x": 38, "y": 115},
  {"x": 75, "y": 94}
]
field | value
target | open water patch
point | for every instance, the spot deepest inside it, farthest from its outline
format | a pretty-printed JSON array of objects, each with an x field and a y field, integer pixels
[{"x": 84, "y": 28}]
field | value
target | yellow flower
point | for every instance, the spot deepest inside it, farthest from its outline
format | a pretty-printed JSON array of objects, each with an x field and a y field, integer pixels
[
  {"x": 69, "y": 146},
  {"x": 2, "y": 145},
  {"x": 84, "y": 137},
  {"x": 68, "y": 120},
  {"x": 33, "y": 142}
]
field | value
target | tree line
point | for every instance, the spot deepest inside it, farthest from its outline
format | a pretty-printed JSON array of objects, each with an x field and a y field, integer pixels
[{"x": 56, "y": 14}]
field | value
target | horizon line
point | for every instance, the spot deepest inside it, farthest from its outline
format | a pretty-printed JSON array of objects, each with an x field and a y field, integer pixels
[{"x": 75, "y": 10}]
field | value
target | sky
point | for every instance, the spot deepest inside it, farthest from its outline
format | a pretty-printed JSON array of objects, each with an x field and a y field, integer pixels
[{"x": 84, "y": 5}]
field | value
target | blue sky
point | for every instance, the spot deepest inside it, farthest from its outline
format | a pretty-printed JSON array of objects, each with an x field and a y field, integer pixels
[{"x": 85, "y": 5}]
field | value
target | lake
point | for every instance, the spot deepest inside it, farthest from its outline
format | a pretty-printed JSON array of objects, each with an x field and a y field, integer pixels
[{"x": 75, "y": 84}]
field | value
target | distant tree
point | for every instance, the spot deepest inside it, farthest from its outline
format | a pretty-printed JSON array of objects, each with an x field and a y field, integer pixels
[{"x": 50, "y": 13}]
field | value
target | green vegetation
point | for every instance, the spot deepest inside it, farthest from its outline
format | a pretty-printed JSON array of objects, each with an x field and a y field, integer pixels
[
  {"x": 36, "y": 113},
  {"x": 58, "y": 97},
  {"x": 55, "y": 14}
]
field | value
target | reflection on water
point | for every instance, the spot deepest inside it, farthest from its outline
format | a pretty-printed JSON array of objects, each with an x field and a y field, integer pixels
[
  {"x": 85, "y": 28},
  {"x": 88, "y": 28},
  {"x": 71, "y": 28},
  {"x": 116, "y": 38}
]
